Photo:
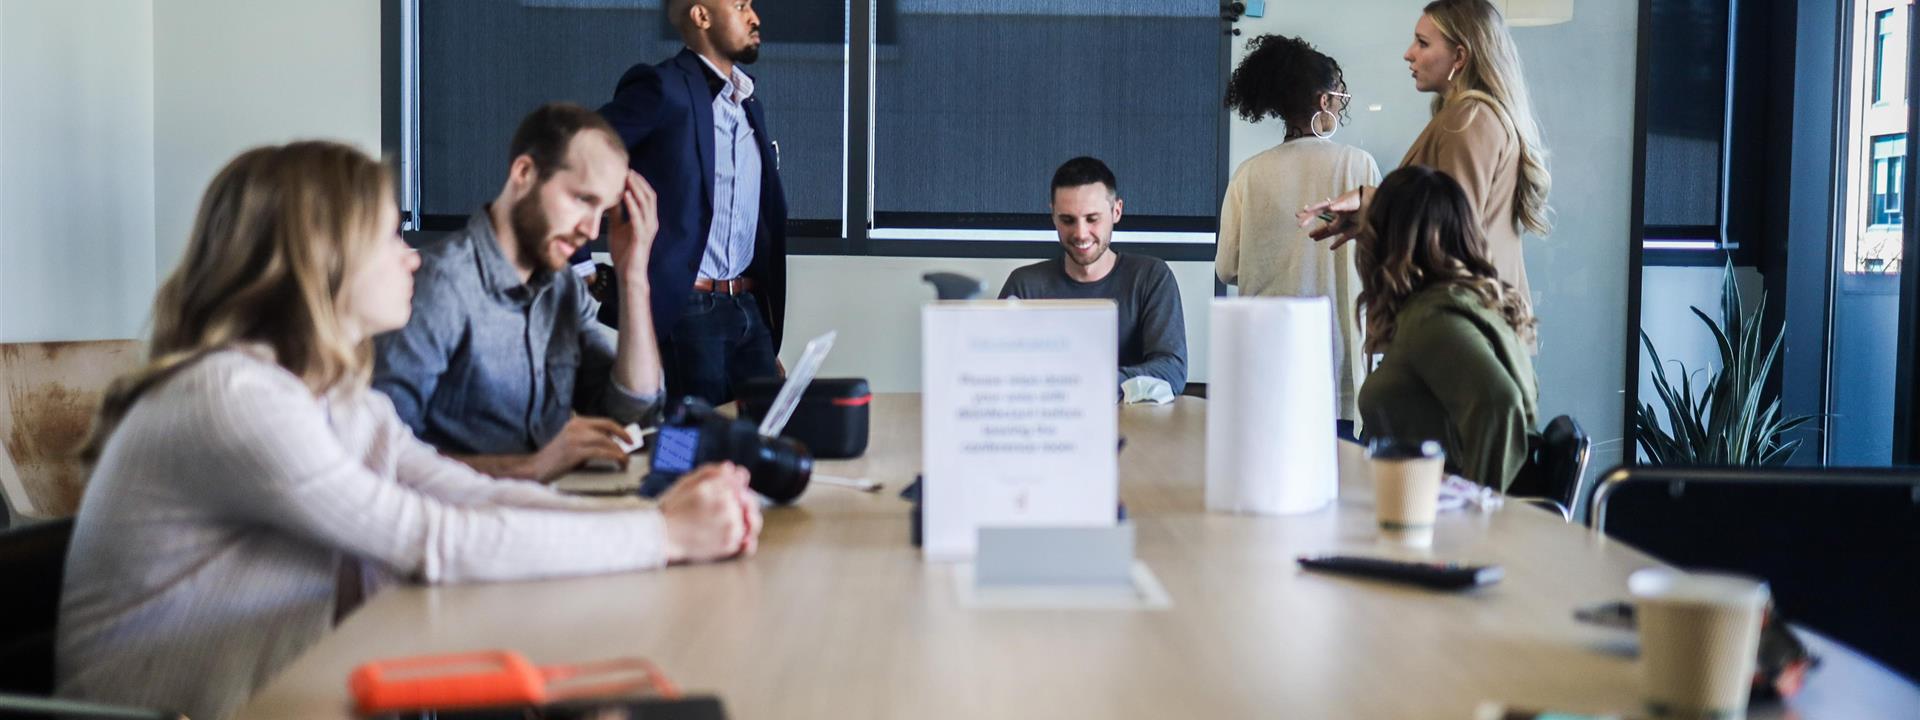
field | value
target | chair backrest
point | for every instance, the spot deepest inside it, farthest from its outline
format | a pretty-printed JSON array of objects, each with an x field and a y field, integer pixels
[
  {"x": 22, "y": 707},
  {"x": 1840, "y": 547},
  {"x": 33, "y": 561},
  {"x": 1564, "y": 450},
  {"x": 1556, "y": 467},
  {"x": 48, "y": 395}
]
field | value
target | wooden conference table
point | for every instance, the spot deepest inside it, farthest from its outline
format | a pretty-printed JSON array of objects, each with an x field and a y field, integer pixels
[{"x": 838, "y": 616}]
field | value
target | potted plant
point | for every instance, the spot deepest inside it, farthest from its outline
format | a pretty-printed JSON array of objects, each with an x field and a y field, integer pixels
[{"x": 1729, "y": 419}]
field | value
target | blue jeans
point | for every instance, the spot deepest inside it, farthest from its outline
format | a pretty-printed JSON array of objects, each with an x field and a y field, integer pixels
[{"x": 718, "y": 342}]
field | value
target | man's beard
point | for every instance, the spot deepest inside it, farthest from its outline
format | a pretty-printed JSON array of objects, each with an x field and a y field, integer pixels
[
  {"x": 745, "y": 55},
  {"x": 530, "y": 231},
  {"x": 1099, "y": 250}
]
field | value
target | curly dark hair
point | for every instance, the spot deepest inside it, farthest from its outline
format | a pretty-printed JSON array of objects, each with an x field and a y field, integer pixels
[{"x": 1283, "y": 77}]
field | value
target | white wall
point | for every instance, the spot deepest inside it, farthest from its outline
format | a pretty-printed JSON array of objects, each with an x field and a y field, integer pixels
[
  {"x": 3, "y": 173},
  {"x": 114, "y": 114},
  {"x": 233, "y": 74},
  {"x": 1367, "y": 38},
  {"x": 1582, "y": 75},
  {"x": 76, "y": 182},
  {"x": 1666, "y": 296}
]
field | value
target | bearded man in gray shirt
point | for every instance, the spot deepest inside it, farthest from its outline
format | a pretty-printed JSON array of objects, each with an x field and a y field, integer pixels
[
  {"x": 503, "y": 365},
  {"x": 1153, "y": 332}
]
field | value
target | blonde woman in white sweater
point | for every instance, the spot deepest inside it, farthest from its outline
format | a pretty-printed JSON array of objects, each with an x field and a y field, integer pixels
[
  {"x": 1261, "y": 248},
  {"x": 247, "y": 482}
]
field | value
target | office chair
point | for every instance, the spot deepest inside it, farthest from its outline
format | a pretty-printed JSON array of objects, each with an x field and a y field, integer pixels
[
  {"x": 29, "y": 708},
  {"x": 1556, "y": 468},
  {"x": 33, "y": 560},
  {"x": 1840, "y": 547}
]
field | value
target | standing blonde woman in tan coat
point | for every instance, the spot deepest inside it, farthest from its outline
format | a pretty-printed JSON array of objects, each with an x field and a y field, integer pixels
[{"x": 1483, "y": 133}]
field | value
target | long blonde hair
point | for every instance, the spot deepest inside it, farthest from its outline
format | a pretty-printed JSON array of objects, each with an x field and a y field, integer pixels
[
  {"x": 276, "y": 233},
  {"x": 1492, "y": 75}
]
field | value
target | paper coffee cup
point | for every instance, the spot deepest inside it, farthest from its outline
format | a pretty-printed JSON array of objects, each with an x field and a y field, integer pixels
[
  {"x": 1699, "y": 637},
  {"x": 1406, "y": 489}
]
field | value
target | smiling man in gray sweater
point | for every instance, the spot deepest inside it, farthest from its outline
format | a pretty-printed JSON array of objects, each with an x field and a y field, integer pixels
[{"x": 1153, "y": 331}]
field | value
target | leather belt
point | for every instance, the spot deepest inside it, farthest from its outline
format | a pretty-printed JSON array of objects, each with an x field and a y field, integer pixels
[{"x": 735, "y": 286}]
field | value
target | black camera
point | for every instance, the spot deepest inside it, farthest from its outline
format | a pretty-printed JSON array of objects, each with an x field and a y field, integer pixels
[{"x": 693, "y": 434}]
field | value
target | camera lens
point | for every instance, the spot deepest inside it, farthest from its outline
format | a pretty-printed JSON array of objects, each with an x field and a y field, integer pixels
[
  {"x": 781, "y": 469},
  {"x": 693, "y": 434}
]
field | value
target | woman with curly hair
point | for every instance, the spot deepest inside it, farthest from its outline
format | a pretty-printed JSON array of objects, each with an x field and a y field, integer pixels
[
  {"x": 1261, "y": 249},
  {"x": 1483, "y": 133},
  {"x": 1455, "y": 365}
]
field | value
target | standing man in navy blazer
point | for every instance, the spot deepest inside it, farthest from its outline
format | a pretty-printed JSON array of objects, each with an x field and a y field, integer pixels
[{"x": 695, "y": 130}]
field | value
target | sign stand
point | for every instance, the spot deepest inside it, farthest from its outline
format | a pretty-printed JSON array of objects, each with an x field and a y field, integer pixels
[{"x": 1058, "y": 568}]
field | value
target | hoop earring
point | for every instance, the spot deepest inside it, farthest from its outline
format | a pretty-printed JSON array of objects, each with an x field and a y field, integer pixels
[{"x": 1333, "y": 127}]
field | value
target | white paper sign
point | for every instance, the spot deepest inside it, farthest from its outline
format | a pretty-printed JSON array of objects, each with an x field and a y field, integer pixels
[{"x": 1018, "y": 418}]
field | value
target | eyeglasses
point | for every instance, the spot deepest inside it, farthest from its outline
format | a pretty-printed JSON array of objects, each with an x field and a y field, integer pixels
[{"x": 1341, "y": 100}]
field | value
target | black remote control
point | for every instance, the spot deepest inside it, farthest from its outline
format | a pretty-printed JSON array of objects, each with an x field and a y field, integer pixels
[{"x": 1439, "y": 576}]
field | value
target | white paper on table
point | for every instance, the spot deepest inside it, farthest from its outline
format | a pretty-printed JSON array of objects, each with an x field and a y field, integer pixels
[
  {"x": 1145, "y": 390},
  {"x": 1271, "y": 406},
  {"x": 1019, "y": 426}
]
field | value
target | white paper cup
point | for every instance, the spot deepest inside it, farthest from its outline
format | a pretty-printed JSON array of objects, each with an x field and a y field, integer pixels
[
  {"x": 1406, "y": 490},
  {"x": 1699, "y": 636}
]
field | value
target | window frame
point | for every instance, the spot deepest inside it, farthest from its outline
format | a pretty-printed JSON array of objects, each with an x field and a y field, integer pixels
[
  {"x": 1686, "y": 245},
  {"x": 981, "y": 235},
  {"x": 1888, "y": 173},
  {"x": 1882, "y": 39}
]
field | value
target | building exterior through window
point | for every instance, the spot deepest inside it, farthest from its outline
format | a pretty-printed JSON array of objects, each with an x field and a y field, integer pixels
[{"x": 1876, "y": 142}]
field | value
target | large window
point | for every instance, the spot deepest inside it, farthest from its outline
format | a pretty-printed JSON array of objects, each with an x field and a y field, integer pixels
[
  {"x": 973, "y": 104},
  {"x": 1875, "y": 148},
  {"x": 483, "y": 64},
  {"x": 982, "y": 99},
  {"x": 1685, "y": 161},
  {"x": 1865, "y": 310}
]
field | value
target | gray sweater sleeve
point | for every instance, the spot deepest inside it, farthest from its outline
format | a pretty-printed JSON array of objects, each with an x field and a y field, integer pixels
[{"x": 1163, "y": 329}]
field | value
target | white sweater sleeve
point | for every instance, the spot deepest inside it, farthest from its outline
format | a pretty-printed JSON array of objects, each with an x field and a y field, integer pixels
[
  {"x": 271, "y": 457},
  {"x": 1226, "y": 258}
]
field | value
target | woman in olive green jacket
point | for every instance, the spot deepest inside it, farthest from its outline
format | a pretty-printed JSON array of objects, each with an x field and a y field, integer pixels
[{"x": 1455, "y": 365}]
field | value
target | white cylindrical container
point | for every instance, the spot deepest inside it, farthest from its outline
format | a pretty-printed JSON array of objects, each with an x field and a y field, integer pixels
[{"x": 1271, "y": 406}]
